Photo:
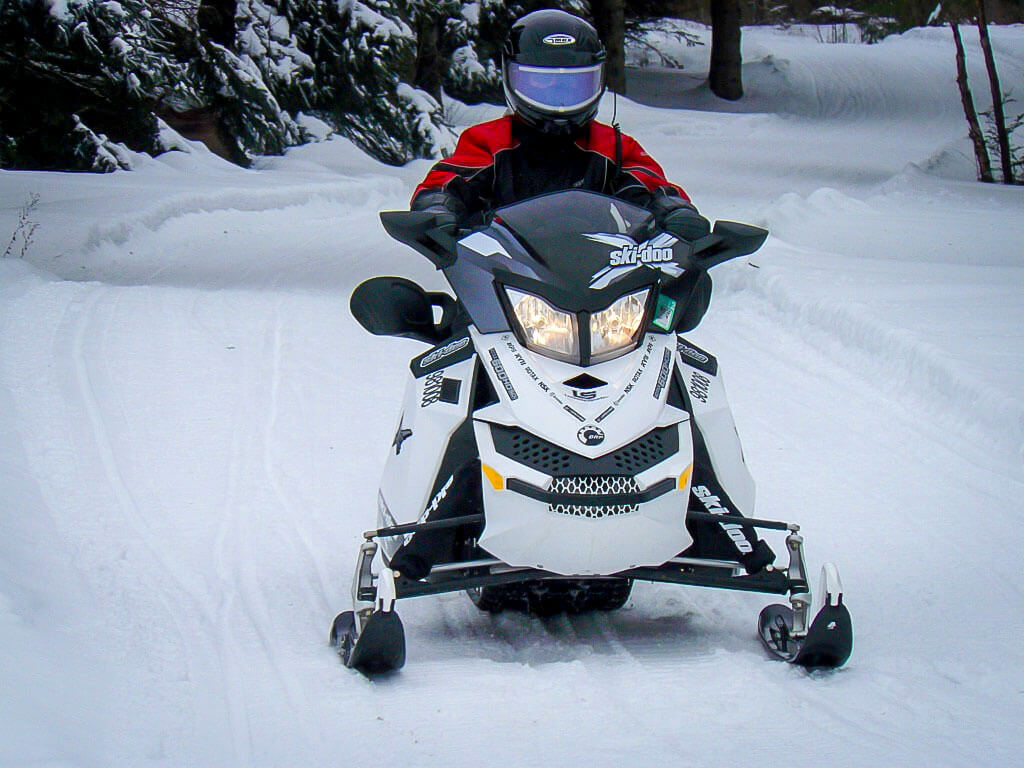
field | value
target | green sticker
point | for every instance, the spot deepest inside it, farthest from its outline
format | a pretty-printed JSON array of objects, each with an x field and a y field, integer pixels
[{"x": 664, "y": 313}]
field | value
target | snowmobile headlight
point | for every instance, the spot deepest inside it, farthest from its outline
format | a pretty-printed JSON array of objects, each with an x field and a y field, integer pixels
[
  {"x": 618, "y": 328},
  {"x": 544, "y": 328}
]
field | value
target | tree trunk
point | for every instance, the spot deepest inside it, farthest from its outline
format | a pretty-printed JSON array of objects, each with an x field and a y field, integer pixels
[
  {"x": 610, "y": 22},
  {"x": 428, "y": 58},
  {"x": 726, "y": 76},
  {"x": 997, "y": 97},
  {"x": 216, "y": 19},
  {"x": 973, "y": 129}
]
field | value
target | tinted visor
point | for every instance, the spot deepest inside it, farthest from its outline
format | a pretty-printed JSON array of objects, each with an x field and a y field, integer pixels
[{"x": 556, "y": 89}]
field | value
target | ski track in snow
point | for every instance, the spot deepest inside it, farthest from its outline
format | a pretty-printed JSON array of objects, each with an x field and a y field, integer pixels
[{"x": 191, "y": 460}]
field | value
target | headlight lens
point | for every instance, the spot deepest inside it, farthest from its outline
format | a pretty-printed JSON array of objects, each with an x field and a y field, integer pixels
[
  {"x": 545, "y": 328},
  {"x": 618, "y": 327}
]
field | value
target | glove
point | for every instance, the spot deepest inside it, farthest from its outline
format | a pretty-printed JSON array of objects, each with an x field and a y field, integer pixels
[
  {"x": 449, "y": 211},
  {"x": 685, "y": 223}
]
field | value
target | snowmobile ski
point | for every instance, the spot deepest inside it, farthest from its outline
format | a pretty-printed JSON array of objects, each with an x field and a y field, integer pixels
[
  {"x": 380, "y": 647},
  {"x": 827, "y": 643}
]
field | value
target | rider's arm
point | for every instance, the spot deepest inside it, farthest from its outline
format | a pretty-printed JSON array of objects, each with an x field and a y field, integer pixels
[
  {"x": 641, "y": 180},
  {"x": 463, "y": 181}
]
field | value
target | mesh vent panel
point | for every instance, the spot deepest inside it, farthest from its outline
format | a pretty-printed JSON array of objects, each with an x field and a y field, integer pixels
[
  {"x": 535, "y": 452},
  {"x": 593, "y": 485},
  {"x": 645, "y": 452}
]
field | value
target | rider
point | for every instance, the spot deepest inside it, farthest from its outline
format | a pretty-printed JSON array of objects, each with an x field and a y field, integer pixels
[{"x": 553, "y": 75}]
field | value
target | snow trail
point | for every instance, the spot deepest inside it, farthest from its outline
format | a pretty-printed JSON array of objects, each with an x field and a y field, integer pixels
[{"x": 192, "y": 427}]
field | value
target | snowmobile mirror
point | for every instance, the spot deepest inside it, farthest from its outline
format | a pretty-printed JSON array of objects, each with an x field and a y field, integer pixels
[
  {"x": 682, "y": 303},
  {"x": 394, "y": 306}
]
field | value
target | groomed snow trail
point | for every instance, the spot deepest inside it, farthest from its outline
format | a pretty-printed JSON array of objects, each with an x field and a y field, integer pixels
[{"x": 192, "y": 430}]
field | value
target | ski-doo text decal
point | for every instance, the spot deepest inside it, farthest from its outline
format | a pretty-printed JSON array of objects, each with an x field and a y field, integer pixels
[
  {"x": 714, "y": 505},
  {"x": 436, "y": 501},
  {"x": 666, "y": 368},
  {"x": 697, "y": 358},
  {"x": 460, "y": 348},
  {"x": 627, "y": 254},
  {"x": 444, "y": 351},
  {"x": 639, "y": 372},
  {"x": 499, "y": 371}
]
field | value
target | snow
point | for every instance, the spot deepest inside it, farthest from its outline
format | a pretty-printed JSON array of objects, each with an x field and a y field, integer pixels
[{"x": 192, "y": 426}]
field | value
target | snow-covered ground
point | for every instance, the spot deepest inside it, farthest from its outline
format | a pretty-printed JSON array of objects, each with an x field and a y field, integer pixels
[{"x": 192, "y": 427}]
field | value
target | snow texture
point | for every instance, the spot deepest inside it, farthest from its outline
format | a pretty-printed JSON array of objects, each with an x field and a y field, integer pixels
[{"x": 192, "y": 426}]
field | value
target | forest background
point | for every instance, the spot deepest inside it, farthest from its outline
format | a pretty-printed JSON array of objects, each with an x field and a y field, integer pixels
[{"x": 85, "y": 83}]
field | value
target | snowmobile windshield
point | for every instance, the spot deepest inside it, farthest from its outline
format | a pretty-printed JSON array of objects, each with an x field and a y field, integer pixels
[
  {"x": 576, "y": 273},
  {"x": 556, "y": 89}
]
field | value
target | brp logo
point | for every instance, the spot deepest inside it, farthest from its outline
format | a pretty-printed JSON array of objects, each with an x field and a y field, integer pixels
[
  {"x": 590, "y": 435},
  {"x": 559, "y": 39}
]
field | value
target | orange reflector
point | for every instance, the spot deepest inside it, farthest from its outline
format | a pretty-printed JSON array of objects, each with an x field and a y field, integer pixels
[
  {"x": 684, "y": 479},
  {"x": 497, "y": 481}
]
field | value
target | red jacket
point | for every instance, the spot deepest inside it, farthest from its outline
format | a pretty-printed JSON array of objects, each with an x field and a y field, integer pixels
[{"x": 503, "y": 161}]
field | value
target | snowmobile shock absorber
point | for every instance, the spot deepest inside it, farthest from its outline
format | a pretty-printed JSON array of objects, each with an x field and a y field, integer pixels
[{"x": 800, "y": 600}]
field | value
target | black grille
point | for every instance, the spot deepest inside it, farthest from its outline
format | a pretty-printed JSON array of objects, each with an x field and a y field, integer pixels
[
  {"x": 630, "y": 460},
  {"x": 647, "y": 451},
  {"x": 530, "y": 450}
]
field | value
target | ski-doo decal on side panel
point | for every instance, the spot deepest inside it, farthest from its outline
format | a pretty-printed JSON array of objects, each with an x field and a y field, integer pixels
[
  {"x": 713, "y": 504},
  {"x": 442, "y": 357},
  {"x": 696, "y": 357}
]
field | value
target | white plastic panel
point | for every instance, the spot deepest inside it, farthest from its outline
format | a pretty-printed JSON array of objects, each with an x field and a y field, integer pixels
[
  {"x": 713, "y": 417},
  {"x": 428, "y": 423}
]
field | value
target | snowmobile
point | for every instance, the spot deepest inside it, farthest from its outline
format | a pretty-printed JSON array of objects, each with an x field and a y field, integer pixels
[{"x": 561, "y": 439}]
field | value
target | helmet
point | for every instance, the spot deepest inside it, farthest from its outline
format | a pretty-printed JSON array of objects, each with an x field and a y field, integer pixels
[{"x": 553, "y": 71}]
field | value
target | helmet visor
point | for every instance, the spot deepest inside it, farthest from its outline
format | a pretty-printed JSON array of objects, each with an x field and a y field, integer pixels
[{"x": 556, "y": 89}]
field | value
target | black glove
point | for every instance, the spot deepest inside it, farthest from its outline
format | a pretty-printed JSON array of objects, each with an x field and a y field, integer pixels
[
  {"x": 449, "y": 211},
  {"x": 675, "y": 214},
  {"x": 685, "y": 223}
]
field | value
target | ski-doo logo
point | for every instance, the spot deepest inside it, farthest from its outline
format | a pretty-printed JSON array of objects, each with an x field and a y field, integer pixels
[
  {"x": 692, "y": 353},
  {"x": 628, "y": 252},
  {"x": 447, "y": 349},
  {"x": 590, "y": 435},
  {"x": 559, "y": 39},
  {"x": 436, "y": 501},
  {"x": 643, "y": 253},
  {"x": 714, "y": 505}
]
